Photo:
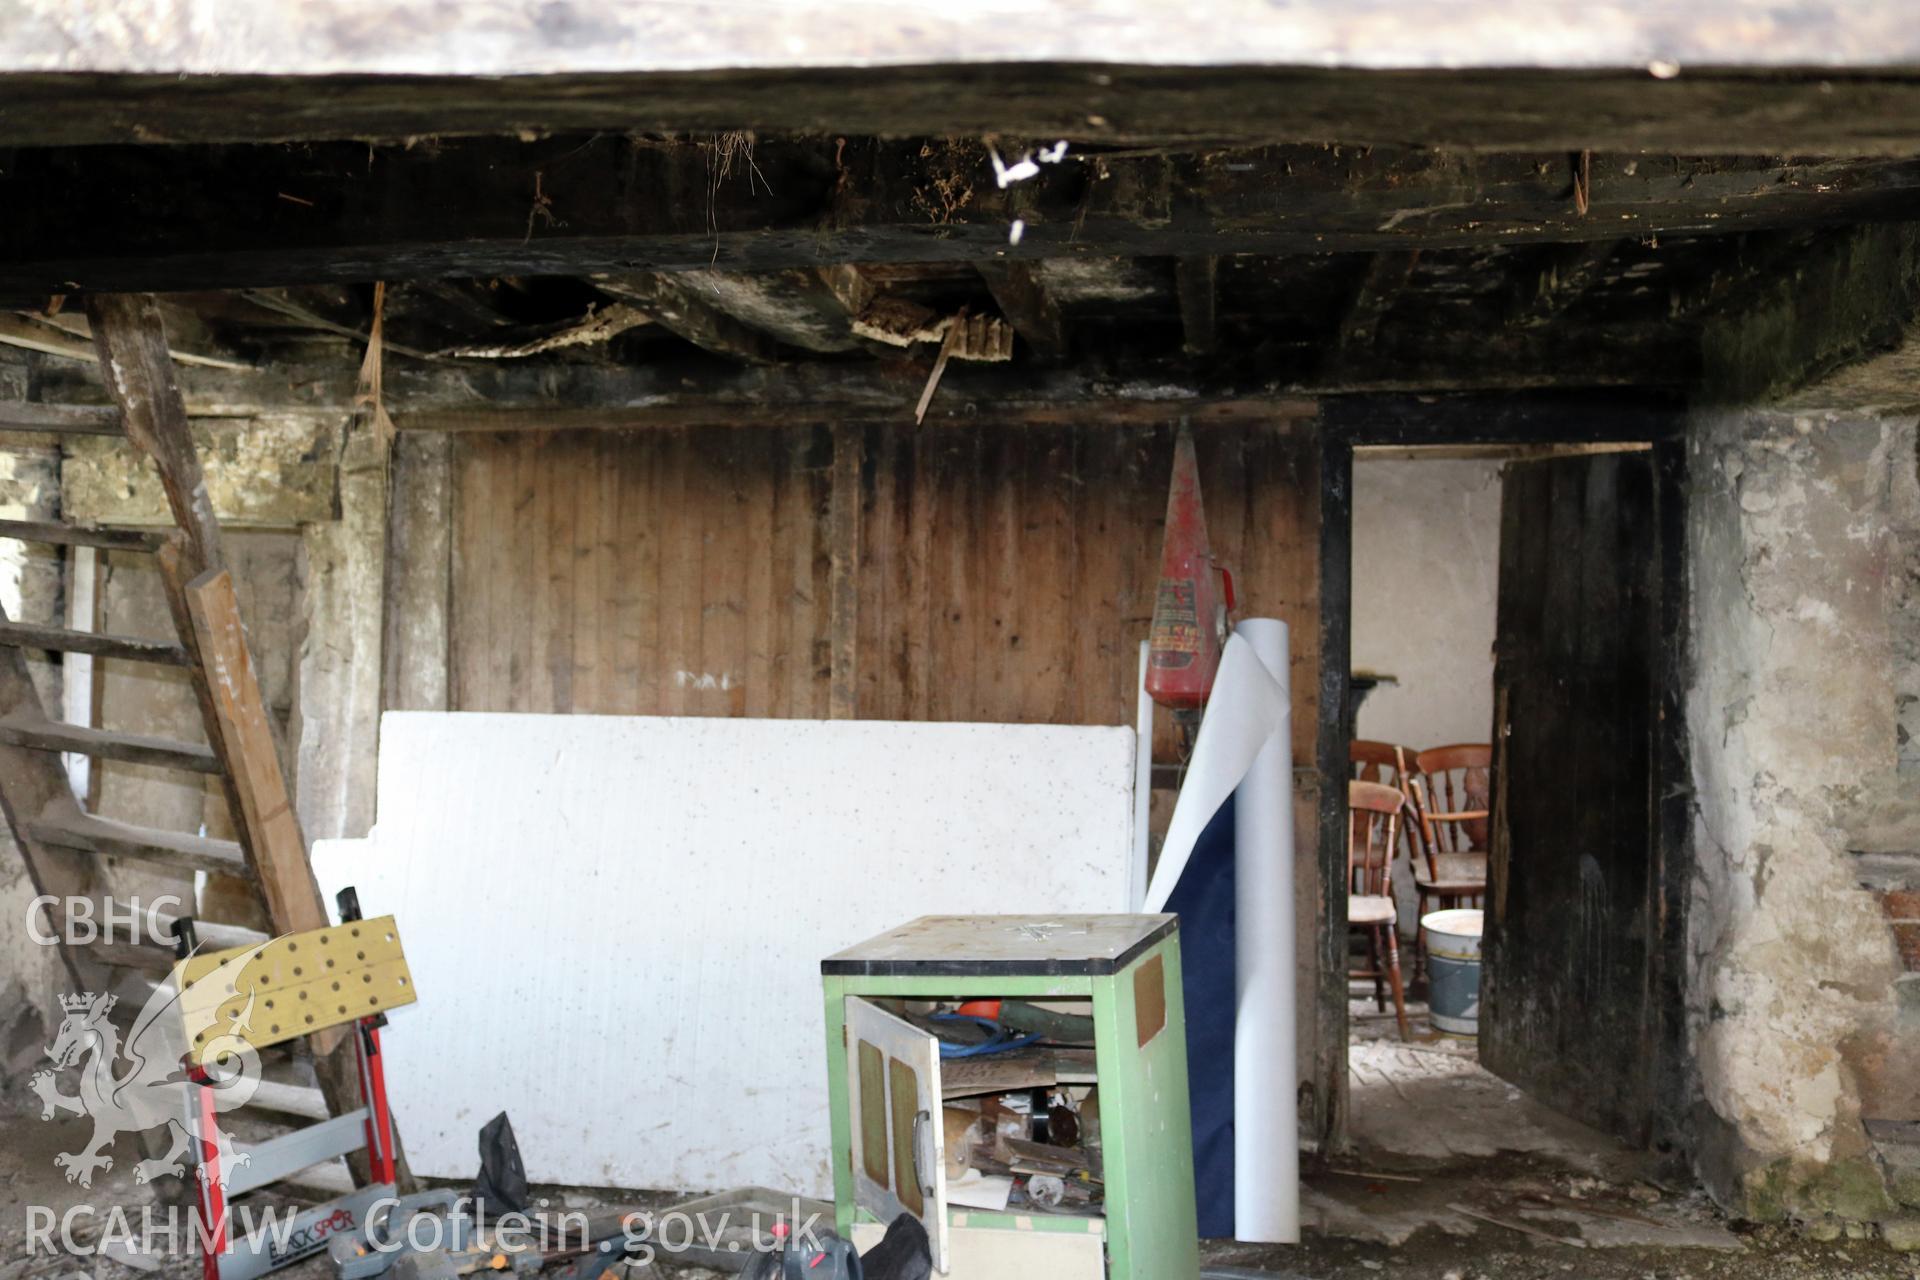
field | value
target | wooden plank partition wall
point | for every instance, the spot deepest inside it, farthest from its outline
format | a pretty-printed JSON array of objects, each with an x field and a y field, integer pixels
[{"x": 1002, "y": 574}]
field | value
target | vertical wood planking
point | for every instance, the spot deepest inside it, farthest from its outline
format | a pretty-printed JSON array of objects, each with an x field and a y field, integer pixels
[
  {"x": 500, "y": 527},
  {"x": 467, "y": 593},
  {"x": 560, "y": 472},
  {"x": 787, "y": 660},
  {"x": 680, "y": 544},
  {"x": 998, "y": 574},
  {"x": 948, "y": 462},
  {"x": 761, "y": 476},
  {"x": 968, "y": 519},
  {"x": 874, "y": 577},
  {"x": 537, "y": 689},
  {"x": 849, "y": 444},
  {"x": 603, "y": 692},
  {"x": 581, "y": 668},
  {"x": 723, "y": 602},
  {"x": 1047, "y": 620},
  {"x": 996, "y": 560},
  {"x": 643, "y": 540},
  {"x": 530, "y": 526},
  {"x": 916, "y": 616}
]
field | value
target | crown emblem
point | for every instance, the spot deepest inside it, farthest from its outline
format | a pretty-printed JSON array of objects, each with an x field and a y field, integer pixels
[{"x": 86, "y": 1002}]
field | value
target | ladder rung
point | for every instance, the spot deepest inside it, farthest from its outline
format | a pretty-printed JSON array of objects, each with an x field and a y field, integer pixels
[
  {"x": 131, "y": 955},
  {"x": 74, "y": 535},
  {"x": 147, "y": 844},
  {"x": 57, "y": 735},
  {"x": 25, "y": 635},
  {"x": 68, "y": 419}
]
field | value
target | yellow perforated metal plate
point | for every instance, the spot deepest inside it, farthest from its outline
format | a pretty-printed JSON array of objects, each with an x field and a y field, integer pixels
[{"x": 292, "y": 986}]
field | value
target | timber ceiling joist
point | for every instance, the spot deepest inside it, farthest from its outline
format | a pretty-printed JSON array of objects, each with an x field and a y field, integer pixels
[
  {"x": 169, "y": 218},
  {"x": 627, "y": 280}
]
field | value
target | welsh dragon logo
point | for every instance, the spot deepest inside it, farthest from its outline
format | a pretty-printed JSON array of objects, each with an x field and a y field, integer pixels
[{"x": 155, "y": 1087}]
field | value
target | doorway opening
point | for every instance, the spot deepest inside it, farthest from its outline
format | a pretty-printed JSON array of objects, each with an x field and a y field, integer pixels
[{"x": 1513, "y": 625}]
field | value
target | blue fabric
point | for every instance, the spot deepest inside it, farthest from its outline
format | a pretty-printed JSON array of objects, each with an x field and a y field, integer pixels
[{"x": 1204, "y": 900}]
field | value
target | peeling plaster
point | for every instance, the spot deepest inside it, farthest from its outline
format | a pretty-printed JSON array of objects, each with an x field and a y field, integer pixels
[
  {"x": 267, "y": 471},
  {"x": 1797, "y": 529}
]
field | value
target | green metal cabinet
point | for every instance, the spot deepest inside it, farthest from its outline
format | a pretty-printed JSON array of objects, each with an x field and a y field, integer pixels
[{"x": 1128, "y": 966}]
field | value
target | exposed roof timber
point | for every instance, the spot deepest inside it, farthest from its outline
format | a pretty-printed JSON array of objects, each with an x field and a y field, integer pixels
[
  {"x": 691, "y": 390},
  {"x": 774, "y": 396},
  {"x": 1747, "y": 268},
  {"x": 1195, "y": 280},
  {"x": 1557, "y": 279},
  {"x": 1381, "y": 282},
  {"x": 69, "y": 337},
  {"x": 1028, "y": 305},
  {"x": 1564, "y": 415},
  {"x": 277, "y": 302},
  {"x": 217, "y": 217}
]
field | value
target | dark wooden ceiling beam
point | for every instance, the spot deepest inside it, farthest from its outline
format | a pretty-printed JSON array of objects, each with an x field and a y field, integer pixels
[
  {"x": 237, "y": 217},
  {"x": 1195, "y": 283},
  {"x": 695, "y": 389},
  {"x": 1027, "y": 305},
  {"x": 1745, "y": 266},
  {"x": 1382, "y": 281},
  {"x": 1121, "y": 385},
  {"x": 1557, "y": 278}
]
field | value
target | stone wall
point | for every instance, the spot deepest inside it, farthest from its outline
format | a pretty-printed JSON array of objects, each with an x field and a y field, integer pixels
[{"x": 1805, "y": 551}]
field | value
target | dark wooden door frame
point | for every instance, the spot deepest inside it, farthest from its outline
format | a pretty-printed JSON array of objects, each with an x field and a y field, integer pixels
[{"x": 1559, "y": 418}]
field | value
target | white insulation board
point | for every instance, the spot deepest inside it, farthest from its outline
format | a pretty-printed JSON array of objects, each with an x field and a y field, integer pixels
[{"x": 616, "y": 922}]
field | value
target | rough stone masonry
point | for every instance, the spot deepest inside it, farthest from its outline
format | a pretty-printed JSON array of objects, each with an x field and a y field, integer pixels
[{"x": 1805, "y": 558}]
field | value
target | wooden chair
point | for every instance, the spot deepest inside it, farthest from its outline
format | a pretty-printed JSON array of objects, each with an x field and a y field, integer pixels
[
  {"x": 1376, "y": 810},
  {"x": 1452, "y": 792},
  {"x": 1392, "y": 765},
  {"x": 1382, "y": 762}
]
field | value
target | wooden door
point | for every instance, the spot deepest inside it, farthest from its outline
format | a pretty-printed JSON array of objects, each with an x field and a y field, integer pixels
[{"x": 1572, "y": 922}]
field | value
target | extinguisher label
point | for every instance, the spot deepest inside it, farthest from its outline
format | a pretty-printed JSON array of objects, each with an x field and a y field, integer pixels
[{"x": 1176, "y": 626}]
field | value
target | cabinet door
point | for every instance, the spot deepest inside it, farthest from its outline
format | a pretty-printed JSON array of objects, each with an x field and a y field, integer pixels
[{"x": 899, "y": 1145}]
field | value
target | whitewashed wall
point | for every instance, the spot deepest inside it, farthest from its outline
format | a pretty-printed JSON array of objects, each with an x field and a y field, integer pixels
[{"x": 1426, "y": 550}]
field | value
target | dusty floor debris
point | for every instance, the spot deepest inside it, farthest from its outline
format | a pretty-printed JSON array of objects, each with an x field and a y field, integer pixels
[{"x": 1377, "y": 1212}]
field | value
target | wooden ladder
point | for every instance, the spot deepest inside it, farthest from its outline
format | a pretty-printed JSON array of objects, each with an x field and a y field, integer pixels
[{"x": 69, "y": 853}]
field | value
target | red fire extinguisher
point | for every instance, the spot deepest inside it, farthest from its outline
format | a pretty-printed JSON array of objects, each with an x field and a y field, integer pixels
[{"x": 1190, "y": 610}]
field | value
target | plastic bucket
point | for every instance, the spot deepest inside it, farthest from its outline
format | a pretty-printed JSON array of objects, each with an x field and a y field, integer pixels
[{"x": 1453, "y": 970}]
